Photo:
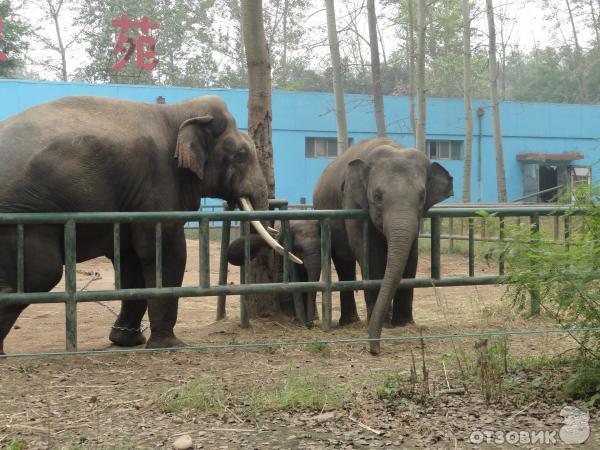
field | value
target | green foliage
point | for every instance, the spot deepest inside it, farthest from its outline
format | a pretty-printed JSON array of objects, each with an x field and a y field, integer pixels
[
  {"x": 16, "y": 445},
  {"x": 562, "y": 274},
  {"x": 395, "y": 386},
  {"x": 14, "y": 45},
  {"x": 585, "y": 384},
  {"x": 320, "y": 348}
]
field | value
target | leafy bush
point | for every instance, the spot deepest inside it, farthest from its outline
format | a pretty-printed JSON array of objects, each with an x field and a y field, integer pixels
[{"x": 564, "y": 275}]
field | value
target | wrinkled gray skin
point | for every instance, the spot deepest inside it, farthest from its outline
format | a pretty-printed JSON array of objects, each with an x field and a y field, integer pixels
[
  {"x": 306, "y": 244},
  {"x": 396, "y": 186},
  {"x": 99, "y": 154}
]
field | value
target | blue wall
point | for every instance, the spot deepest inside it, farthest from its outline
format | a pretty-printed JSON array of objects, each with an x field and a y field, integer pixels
[{"x": 526, "y": 127}]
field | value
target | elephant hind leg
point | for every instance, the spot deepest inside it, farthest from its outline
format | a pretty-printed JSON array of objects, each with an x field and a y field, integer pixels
[
  {"x": 8, "y": 316},
  {"x": 43, "y": 268}
]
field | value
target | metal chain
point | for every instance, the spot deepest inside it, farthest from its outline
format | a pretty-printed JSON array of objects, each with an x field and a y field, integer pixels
[{"x": 143, "y": 326}]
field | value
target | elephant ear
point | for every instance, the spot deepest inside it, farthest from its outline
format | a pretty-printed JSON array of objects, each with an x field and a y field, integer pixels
[
  {"x": 354, "y": 186},
  {"x": 439, "y": 185},
  {"x": 193, "y": 143}
]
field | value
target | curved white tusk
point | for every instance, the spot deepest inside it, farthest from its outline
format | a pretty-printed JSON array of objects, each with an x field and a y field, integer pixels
[{"x": 246, "y": 205}]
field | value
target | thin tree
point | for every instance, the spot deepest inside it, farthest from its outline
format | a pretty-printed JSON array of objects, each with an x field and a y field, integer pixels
[
  {"x": 53, "y": 10},
  {"x": 421, "y": 29},
  {"x": 338, "y": 80},
  {"x": 260, "y": 130},
  {"x": 493, "y": 68},
  {"x": 468, "y": 145},
  {"x": 411, "y": 68},
  {"x": 376, "y": 69},
  {"x": 579, "y": 69}
]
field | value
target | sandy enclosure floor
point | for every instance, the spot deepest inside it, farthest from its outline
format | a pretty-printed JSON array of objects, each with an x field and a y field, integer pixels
[{"x": 109, "y": 401}]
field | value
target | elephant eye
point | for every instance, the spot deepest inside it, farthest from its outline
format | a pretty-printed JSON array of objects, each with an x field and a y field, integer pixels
[
  {"x": 378, "y": 196},
  {"x": 241, "y": 156}
]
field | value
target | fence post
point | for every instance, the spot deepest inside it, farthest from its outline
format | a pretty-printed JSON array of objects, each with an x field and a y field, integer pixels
[
  {"x": 71, "y": 285},
  {"x": 20, "y": 258},
  {"x": 117, "y": 254},
  {"x": 435, "y": 247},
  {"x": 501, "y": 239},
  {"x": 245, "y": 276},
  {"x": 225, "y": 238},
  {"x": 471, "y": 247},
  {"x": 534, "y": 293},
  {"x": 326, "y": 268},
  {"x": 158, "y": 254},
  {"x": 451, "y": 232},
  {"x": 203, "y": 253}
]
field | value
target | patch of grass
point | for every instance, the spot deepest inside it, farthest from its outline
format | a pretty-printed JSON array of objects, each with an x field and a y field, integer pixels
[
  {"x": 16, "y": 445},
  {"x": 196, "y": 395},
  {"x": 320, "y": 348},
  {"x": 585, "y": 384},
  {"x": 299, "y": 390},
  {"x": 394, "y": 385}
]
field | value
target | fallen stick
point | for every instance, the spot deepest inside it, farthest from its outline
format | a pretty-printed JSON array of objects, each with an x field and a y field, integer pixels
[
  {"x": 28, "y": 428},
  {"x": 452, "y": 391},
  {"x": 366, "y": 427}
]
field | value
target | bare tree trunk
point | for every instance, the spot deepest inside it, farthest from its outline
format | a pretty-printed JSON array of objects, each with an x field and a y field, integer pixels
[
  {"x": 468, "y": 145},
  {"x": 421, "y": 99},
  {"x": 594, "y": 21},
  {"x": 493, "y": 66},
  {"x": 376, "y": 70},
  {"x": 259, "y": 129},
  {"x": 285, "y": 42},
  {"x": 338, "y": 80},
  {"x": 61, "y": 47},
  {"x": 582, "y": 97},
  {"x": 411, "y": 69}
]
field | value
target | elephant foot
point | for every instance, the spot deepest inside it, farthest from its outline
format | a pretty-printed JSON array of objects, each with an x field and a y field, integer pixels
[
  {"x": 126, "y": 337},
  {"x": 402, "y": 322},
  {"x": 349, "y": 320},
  {"x": 375, "y": 348},
  {"x": 164, "y": 342}
]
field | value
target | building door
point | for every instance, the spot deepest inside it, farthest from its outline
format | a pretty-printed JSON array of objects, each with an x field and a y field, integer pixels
[{"x": 548, "y": 177}]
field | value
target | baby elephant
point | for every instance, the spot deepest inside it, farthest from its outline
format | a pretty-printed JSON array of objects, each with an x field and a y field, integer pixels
[{"x": 305, "y": 243}]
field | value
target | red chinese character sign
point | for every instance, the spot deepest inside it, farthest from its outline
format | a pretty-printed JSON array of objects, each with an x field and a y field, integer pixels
[
  {"x": 2, "y": 55},
  {"x": 143, "y": 45}
]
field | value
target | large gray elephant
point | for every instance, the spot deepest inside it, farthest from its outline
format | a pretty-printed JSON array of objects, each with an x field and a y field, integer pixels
[
  {"x": 100, "y": 154},
  {"x": 305, "y": 244},
  {"x": 396, "y": 186}
]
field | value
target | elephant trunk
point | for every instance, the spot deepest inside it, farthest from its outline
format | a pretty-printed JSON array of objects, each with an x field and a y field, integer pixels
[{"x": 400, "y": 237}]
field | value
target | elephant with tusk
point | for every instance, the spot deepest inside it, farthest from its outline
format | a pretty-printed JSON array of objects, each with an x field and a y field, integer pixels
[
  {"x": 79, "y": 154},
  {"x": 396, "y": 186}
]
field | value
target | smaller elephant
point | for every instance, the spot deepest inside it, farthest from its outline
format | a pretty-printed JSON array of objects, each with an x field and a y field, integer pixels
[
  {"x": 395, "y": 186},
  {"x": 305, "y": 243}
]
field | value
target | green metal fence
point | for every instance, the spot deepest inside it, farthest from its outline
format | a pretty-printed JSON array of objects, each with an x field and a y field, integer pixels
[{"x": 71, "y": 296}]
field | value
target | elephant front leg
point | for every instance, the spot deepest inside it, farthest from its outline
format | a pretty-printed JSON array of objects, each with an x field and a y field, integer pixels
[
  {"x": 162, "y": 311},
  {"x": 402, "y": 311},
  {"x": 346, "y": 271},
  {"x": 127, "y": 330}
]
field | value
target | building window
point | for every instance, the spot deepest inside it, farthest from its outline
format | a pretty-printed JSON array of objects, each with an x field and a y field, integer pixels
[
  {"x": 321, "y": 147},
  {"x": 444, "y": 149}
]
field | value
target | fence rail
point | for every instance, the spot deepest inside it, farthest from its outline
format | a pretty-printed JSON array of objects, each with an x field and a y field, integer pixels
[{"x": 71, "y": 296}]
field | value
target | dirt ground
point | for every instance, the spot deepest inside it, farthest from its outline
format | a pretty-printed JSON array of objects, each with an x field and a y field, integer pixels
[{"x": 113, "y": 401}]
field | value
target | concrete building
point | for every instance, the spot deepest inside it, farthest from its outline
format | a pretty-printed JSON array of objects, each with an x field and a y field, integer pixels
[{"x": 545, "y": 145}]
